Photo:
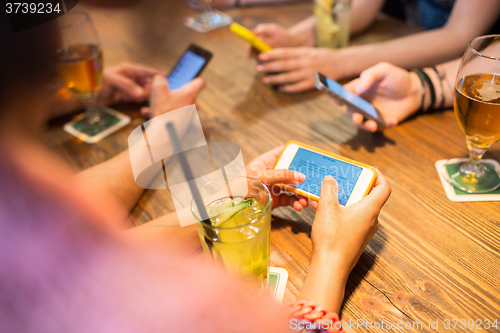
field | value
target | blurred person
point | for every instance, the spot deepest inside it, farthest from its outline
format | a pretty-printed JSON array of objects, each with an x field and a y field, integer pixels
[
  {"x": 67, "y": 266},
  {"x": 293, "y": 62}
]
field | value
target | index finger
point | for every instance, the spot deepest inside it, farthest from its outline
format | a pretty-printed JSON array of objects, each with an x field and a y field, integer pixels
[
  {"x": 280, "y": 53},
  {"x": 271, "y": 156},
  {"x": 139, "y": 71}
]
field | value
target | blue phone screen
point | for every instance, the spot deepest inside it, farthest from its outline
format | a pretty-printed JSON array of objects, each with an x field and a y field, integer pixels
[
  {"x": 354, "y": 99},
  {"x": 316, "y": 166},
  {"x": 186, "y": 70}
]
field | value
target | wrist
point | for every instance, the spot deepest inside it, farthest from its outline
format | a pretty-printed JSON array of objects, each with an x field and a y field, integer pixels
[{"x": 333, "y": 258}]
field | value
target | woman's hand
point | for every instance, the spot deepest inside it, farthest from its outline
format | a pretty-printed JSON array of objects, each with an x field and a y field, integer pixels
[
  {"x": 294, "y": 68},
  {"x": 271, "y": 33},
  {"x": 261, "y": 168},
  {"x": 163, "y": 99},
  {"x": 127, "y": 82},
  {"x": 394, "y": 91},
  {"x": 343, "y": 232},
  {"x": 274, "y": 35}
]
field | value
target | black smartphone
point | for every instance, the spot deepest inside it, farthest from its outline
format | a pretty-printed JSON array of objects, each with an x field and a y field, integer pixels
[
  {"x": 344, "y": 96},
  {"x": 189, "y": 66}
]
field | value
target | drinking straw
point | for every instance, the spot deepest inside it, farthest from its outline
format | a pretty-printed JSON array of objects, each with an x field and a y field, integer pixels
[{"x": 187, "y": 173}]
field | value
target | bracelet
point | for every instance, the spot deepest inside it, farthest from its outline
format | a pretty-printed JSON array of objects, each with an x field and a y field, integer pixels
[
  {"x": 422, "y": 108},
  {"x": 316, "y": 314},
  {"x": 441, "y": 77},
  {"x": 431, "y": 89}
]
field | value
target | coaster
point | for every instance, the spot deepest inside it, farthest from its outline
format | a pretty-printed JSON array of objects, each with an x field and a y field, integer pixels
[
  {"x": 218, "y": 20},
  {"x": 277, "y": 283},
  {"x": 457, "y": 195},
  {"x": 115, "y": 120}
]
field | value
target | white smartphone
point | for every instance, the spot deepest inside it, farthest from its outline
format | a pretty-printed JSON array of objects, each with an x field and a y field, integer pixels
[
  {"x": 362, "y": 106},
  {"x": 355, "y": 179}
]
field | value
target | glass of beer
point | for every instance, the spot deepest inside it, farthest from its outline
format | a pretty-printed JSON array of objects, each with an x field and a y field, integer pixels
[
  {"x": 477, "y": 109},
  {"x": 79, "y": 64},
  {"x": 238, "y": 233}
]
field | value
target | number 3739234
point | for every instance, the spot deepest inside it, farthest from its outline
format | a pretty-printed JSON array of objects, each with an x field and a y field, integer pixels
[
  {"x": 471, "y": 324},
  {"x": 33, "y": 8}
]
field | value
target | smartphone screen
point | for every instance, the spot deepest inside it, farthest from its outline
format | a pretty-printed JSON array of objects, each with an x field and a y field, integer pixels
[
  {"x": 316, "y": 166},
  {"x": 186, "y": 70},
  {"x": 354, "y": 99}
]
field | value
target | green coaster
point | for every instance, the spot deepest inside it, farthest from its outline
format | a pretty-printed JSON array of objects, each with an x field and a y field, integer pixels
[{"x": 447, "y": 167}]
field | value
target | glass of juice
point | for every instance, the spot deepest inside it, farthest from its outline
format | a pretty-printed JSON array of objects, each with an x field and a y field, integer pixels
[
  {"x": 333, "y": 23},
  {"x": 237, "y": 235},
  {"x": 477, "y": 110}
]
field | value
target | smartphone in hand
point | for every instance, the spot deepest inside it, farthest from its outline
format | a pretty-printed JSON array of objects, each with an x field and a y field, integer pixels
[
  {"x": 189, "y": 66},
  {"x": 353, "y": 101},
  {"x": 355, "y": 179}
]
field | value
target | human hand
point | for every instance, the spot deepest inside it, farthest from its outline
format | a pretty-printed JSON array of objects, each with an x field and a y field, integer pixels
[
  {"x": 344, "y": 232},
  {"x": 163, "y": 99},
  {"x": 261, "y": 168},
  {"x": 271, "y": 33},
  {"x": 126, "y": 82},
  {"x": 394, "y": 91},
  {"x": 295, "y": 67}
]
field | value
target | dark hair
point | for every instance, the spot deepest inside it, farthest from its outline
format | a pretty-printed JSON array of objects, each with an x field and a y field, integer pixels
[{"x": 25, "y": 58}]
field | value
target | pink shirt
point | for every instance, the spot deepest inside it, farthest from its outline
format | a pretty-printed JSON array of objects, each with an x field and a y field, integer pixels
[{"x": 64, "y": 269}]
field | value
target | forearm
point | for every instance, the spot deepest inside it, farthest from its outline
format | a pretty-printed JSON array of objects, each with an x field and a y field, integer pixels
[
  {"x": 325, "y": 282},
  {"x": 363, "y": 14},
  {"x": 167, "y": 230},
  {"x": 418, "y": 50},
  {"x": 303, "y": 33},
  {"x": 114, "y": 177}
]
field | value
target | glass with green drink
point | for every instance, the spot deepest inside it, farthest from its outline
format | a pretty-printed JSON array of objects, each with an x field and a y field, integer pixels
[{"x": 237, "y": 234}]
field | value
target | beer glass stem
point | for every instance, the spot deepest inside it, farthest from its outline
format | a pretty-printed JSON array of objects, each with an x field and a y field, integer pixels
[
  {"x": 93, "y": 115},
  {"x": 474, "y": 167}
]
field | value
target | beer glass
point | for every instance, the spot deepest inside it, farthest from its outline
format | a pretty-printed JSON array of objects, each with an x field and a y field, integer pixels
[
  {"x": 477, "y": 109},
  {"x": 79, "y": 64}
]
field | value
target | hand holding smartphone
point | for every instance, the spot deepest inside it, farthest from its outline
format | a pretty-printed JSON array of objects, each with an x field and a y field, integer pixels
[
  {"x": 355, "y": 179},
  {"x": 190, "y": 65},
  {"x": 353, "y": 101},
  {"x": 250, "y": 37}
]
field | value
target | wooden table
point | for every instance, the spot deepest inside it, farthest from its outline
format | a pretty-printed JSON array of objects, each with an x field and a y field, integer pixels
[{"x": 432, "y": 259}]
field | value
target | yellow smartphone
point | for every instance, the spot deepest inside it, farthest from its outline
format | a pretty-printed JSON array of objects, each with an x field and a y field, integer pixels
[
  {"x": 250, "y": 37},
  {"x": 355, "y": 179}
]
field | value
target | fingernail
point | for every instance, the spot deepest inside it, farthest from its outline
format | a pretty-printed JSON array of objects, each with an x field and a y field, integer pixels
[
  {"x": 138, "y": 91},
  {"x": 282, "y": 89},
  {"x": 259, "y": 68},
  {"x": 266, "y": 80},
  {"x": 328, "y": 177},
  {"x": 262, "y": 56},
  {"x": 299, "y": 177}
]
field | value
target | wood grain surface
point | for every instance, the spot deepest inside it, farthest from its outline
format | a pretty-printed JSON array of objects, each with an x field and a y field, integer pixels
[{"x": 432, "y": 259}]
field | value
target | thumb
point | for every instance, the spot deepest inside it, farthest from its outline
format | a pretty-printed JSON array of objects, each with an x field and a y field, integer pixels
[
  {"x": 159, "y": 84},
  {"x": 159, "y": 88},
  {"x": 283, "y": 176},
  {"x": 191, "y": 89},
  {"x": 370, "y": 77},
  {"x": 329, "y": 193}
]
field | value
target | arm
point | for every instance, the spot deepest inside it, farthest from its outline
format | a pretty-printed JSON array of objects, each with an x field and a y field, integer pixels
[
  {"x": 363, "y": 14},
  {"x": 468, "y": 19},
  {"x": 339, "y": 236},
  {"x": 115, "y": 176}
]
